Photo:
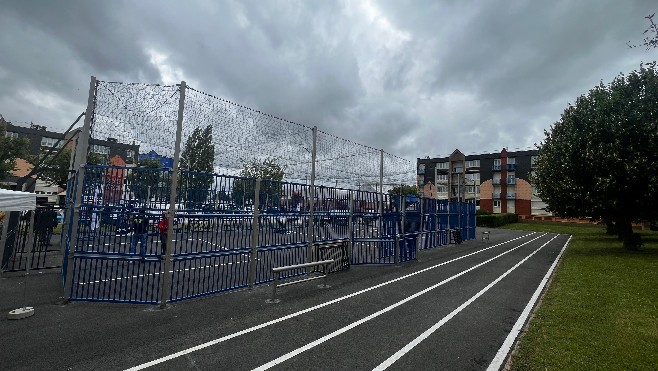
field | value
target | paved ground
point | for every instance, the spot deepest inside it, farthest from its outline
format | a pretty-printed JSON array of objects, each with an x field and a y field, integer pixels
[{"x": 451, "y": 309}]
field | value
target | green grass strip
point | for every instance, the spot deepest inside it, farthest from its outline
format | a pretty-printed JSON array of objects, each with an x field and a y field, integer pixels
[{"x": 600, "y": 312}]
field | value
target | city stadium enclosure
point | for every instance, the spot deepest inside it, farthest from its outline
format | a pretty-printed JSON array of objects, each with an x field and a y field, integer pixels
[{"x": 227, "y": 232}]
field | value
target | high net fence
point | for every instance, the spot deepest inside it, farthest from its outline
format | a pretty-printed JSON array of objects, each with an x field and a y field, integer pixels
[{"x": 147, "y": 115}]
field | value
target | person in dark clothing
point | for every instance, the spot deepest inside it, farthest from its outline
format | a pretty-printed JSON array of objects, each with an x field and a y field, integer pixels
[
  {"x": 140, "y": 233},
  {"x": 163, "y": 227}
]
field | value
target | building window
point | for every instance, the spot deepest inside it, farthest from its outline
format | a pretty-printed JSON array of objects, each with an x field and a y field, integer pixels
[
  {"x": 473, "y": 189},
  {"x": 50, "y": 142},
  {"x": 130, "y": 154},
  {"x": 442, "y": 165},
  {"x": 511, "y": 179},
  {"x": 441, "y": 177},
  {"x": 442, "y": 189},
  {"x": 511, "y": 160},
  {"x": 457, "y": 168},
  {"x": 532, "y": 161},
  {"x": 421, "y": 169},
  {"x": 497, "y": 162},
  {"x": 473, "y": 163},
  {"x": 11, "y": 135},
  {"x": 102, "y": 150},
  {"x": 473, "y": 176},
  {"x": 496, "y": 203}
]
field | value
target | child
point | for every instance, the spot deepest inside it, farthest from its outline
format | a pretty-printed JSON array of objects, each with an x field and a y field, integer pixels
[{"x": 163, "y": 227}]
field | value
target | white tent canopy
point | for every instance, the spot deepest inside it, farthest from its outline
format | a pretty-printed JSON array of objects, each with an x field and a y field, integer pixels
[{"x": 17, "y": 201}]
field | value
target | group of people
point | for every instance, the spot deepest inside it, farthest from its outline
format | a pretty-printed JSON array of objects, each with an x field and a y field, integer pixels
[{"x": 140, "y": 228}]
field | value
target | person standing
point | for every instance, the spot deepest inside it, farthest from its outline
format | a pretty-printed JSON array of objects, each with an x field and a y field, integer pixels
[
  {"x": 163, "y": 228},
  {"x": 140, "y": 233}
]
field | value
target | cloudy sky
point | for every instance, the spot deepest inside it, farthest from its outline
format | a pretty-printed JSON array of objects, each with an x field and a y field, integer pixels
[{"x": 416, "y": 78}]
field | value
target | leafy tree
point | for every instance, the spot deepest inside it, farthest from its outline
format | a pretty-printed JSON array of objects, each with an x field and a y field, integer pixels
[
  {"x": 650, "y": 41},
  {"x": 149, "y": 181},
  {"x": 600, "y": 160},
  {"x": 55, "y": 167},
  {"x": 404, "y": 190},
  {"x": 198, "y": 157},
  {"x": 10, "y": 150},
  {"x": 270, "y": 189}
]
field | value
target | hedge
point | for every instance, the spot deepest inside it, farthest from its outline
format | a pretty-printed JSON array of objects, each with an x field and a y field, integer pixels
[{"x": 496, "y": 220}]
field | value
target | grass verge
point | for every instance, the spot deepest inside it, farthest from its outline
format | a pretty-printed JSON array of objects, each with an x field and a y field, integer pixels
[{"x": 601, "y": 309}]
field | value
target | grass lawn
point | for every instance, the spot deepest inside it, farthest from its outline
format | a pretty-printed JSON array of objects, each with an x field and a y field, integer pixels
[{"x": 601, "y": 309}]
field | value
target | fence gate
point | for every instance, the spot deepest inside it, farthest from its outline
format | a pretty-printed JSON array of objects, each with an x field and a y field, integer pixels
[{"x": 46, "y": 251}]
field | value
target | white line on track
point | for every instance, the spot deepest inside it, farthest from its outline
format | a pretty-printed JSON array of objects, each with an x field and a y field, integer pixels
[
  {"x": 321, "y": 340},
  {"x": 160, "y": 272},
  {"x": 392, "y": 359},
  {"x": 310, "y": 309},
  {"x": 504, "y": 350}
]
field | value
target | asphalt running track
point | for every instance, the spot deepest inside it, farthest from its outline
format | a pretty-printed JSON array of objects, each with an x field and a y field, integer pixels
[{"x": 457, "y": 307}]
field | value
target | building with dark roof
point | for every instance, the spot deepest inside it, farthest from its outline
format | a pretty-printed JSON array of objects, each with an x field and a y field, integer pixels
[{"x": 496, "y": 182}]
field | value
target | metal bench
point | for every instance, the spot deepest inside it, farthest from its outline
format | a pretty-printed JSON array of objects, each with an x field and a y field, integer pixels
[{"x": 277, "y": 276}]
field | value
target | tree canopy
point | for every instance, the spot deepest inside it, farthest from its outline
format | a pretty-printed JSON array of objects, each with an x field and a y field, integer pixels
[
  {"x": 405, "y": 190},
  {"x": 198, "y": 158},
  {"x": 600, "y": 160},
  {"x": 10, "y": 150},
  {"x": 269, "y": 171}
]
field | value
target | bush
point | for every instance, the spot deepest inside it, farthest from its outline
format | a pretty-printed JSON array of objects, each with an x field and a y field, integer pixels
[
  {"x": 496, "y": 220},
  {"x": 482, "y": 212}
]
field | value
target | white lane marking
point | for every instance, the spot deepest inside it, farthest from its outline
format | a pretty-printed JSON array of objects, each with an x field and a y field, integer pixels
[
  {"x": 392, "y": 359},
  {"x": 160, "y": 272},
  {"x": 504, "y": 350},
  {"x": 307, "y": 310},
  {"x": 321, "y": 340}
]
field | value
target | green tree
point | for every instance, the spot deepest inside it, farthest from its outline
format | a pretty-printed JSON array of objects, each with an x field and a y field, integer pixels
[
  {"x": 55, "y": 168},
  {"x": 600, "y": 160},
  {"x": 404, "y": 190},
  {"x": 270, "y": 172},
  {"x": 149, "y": 181},
  {"x": 10, "y": 150},
  {"x": 197, "y": 158}
]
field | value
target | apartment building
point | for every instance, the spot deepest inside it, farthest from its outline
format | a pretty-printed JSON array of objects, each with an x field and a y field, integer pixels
[
  {"x": 496, "y": 182},
  {"x": 41, "y": 140}
]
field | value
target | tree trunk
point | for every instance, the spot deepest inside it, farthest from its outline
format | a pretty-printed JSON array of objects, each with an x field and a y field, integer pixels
[
  {"x": 631, "y": 242},
  {"x": 610, "y": 228}
]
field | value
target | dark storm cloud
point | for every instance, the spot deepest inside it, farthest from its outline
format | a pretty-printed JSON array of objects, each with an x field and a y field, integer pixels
[{"x": 412, "y": 77}]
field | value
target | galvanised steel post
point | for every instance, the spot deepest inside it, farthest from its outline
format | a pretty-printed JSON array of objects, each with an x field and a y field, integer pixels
[
  {"x": 381, "y": 193},
  {"x": 80, "y": 161},
  {"x": 165, "y": 282},
  {"x": 311, "y": 218},
  {"x": 401, "y": 232},
  {"x": 350, "y": 227},
  {"x": 253, "y": 258}
]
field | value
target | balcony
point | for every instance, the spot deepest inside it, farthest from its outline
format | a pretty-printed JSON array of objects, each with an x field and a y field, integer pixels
[
  {"x": 496, "y": 168},
  {"x": 511, "y": 196},
  {"x": 511, "y": 166},
  {"x": 495, "y": 196}
]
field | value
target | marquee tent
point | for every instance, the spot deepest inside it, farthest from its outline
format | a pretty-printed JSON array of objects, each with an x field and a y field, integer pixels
[{"x": 17, "y": 201}]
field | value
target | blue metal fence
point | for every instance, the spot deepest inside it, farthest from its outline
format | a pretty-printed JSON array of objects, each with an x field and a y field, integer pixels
[{"x": 215, "y": 228}]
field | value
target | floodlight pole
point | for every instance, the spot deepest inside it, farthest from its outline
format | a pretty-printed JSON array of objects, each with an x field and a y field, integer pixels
[
  {"x": 311, "y": 217},
  {"x": 165, "y": 282},
  {"x": 80, "y": 161}
]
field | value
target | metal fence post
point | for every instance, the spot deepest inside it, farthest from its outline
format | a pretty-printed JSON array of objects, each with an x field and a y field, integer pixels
[
  {"x": 253, "y": 257},
  {"x": 311, "y": 218},
  {"x": 350, "y": 227},
  {"x": 401, "y": 232},
  {"x": 381, "y": 193},
  {"x": 80, "y": 161},
  {"x": 166, "y": 281}
]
